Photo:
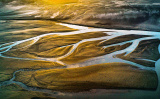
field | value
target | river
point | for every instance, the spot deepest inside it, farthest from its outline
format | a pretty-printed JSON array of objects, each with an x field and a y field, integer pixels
[{"x": 108, "y": 58}]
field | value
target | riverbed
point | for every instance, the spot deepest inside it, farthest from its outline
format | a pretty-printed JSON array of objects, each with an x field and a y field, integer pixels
[
  {"x": 47, "y": 59},
  {"x": 111, "y": 57}
]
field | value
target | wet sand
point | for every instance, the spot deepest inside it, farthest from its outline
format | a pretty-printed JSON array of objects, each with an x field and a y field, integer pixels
[{"x": 81, "y": 60}]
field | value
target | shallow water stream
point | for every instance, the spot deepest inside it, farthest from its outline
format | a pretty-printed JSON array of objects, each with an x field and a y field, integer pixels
[{"x": 108, "y": 58}]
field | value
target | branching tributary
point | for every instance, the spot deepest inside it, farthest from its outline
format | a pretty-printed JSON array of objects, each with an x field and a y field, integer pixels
[{"x": 108, "y": 58}]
